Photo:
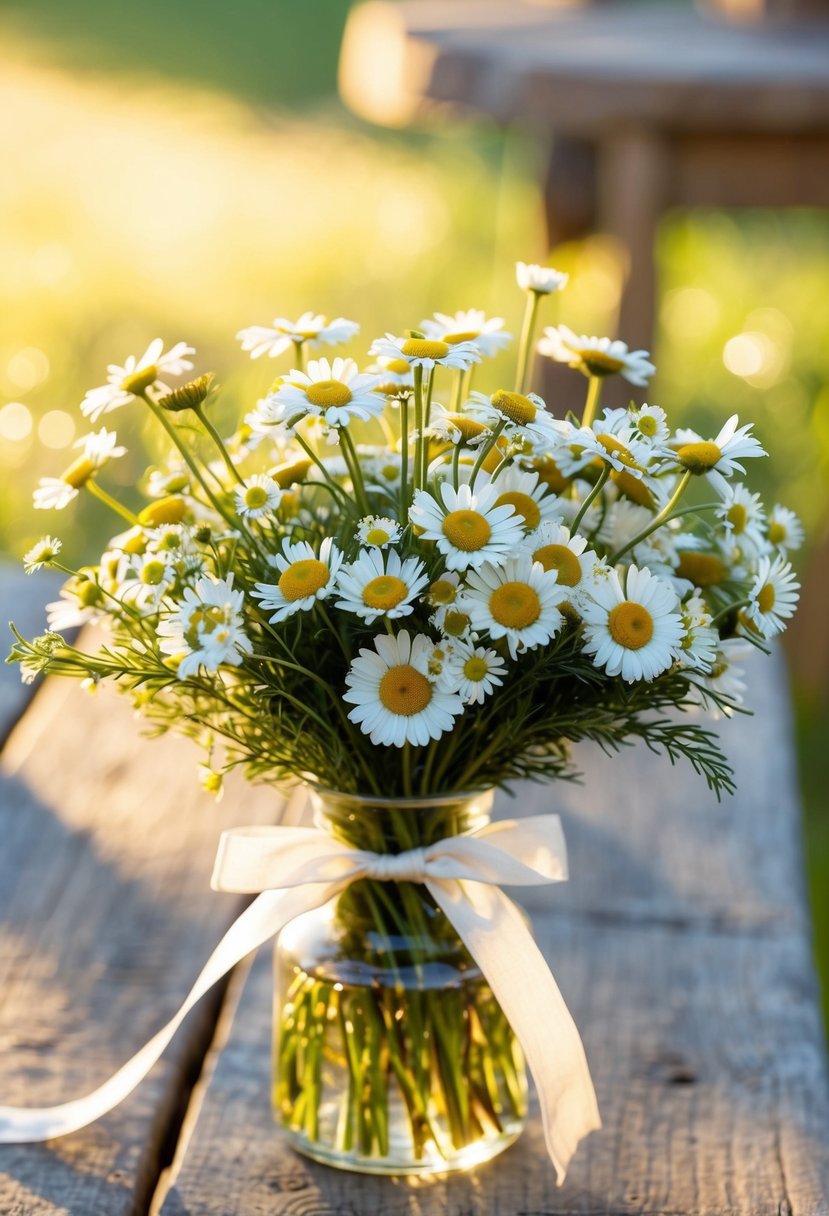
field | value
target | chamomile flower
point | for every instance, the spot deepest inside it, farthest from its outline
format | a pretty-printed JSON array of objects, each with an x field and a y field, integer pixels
[
  {"x": 579, "y": 447},
  {"x": 99, "y": 448},
  {"x": 151, "y": 576},
  {"x": 468, "y": 527},
  {"x": 522, "y": 413},
  {"x": 427, "y": 352},
  {"x": 633, "y": 630},
  {"x": 311, "y": 328},
  {"x": 395, "y": 701},
  {"x": 474, "y": 672},
  {"x": 527, "y": 495},
  {"x": 396, "y": 378},
  {"x": 743, "y": 518},
  {"x": 717, "y": 459},
  {"x": 81, "y": 601},
  {"x": 554, "y": 547},
  {"x": 175, "y": 479},
  {"x": 543, "y": 280},
  {"x": 518, "y": 601},
  {"x": 378, "y": 531},
  {"x": 206, "y": 631},
  {"x": 700, "y": 639},
  {"x": 458, "y": 428},
  {"x": 42, "y": 554},
  {"x": 335, "y": 392},
  {"x": 595, "y": 356},
  {"x": 785, "y": 531},
  {"x": 378, "y": 584},
  {"x": 470, "y": 326},
  {"x": 773, "y": 595},
  {"x": 650, "y": 422},
  {"x": 304, "y": 578},
  {"x": 724, "y": 679},
  {"x": 136, "y": 376},
  {"x": 260, "y": 495}
]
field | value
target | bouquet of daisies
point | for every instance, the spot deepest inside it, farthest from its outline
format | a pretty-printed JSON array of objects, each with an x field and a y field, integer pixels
[{"x": 392, "y": 582}]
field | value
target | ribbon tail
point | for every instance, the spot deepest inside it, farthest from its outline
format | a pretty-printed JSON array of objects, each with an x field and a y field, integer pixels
[
  {"x": 268, "y": 913},
  {"x": 495, "y": 934}
]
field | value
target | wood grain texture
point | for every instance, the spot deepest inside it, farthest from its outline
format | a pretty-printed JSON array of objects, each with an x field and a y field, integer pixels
[
  {"x": 106, "y": 917},
  {"x": 682, "y": 946}
]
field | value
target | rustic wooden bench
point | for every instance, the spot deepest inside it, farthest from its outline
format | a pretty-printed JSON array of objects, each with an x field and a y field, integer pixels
[{"x": 682, "y": 945}]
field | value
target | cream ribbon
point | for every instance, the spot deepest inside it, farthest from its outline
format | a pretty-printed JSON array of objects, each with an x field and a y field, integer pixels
[{"x": 297, "y": 869}]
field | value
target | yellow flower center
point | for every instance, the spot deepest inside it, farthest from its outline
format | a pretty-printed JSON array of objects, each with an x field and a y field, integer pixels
[
  {"x": 423, "y": 348},
  {"x": 291, "y": 472},
  {"x": 514, "y": 406},
  {"x": 702, "y": 569},
  {"x": 523, "y": 505},
  {"x": 404, "y": 690},
  {"x": 469, "y": 428},
  {"x": 548, "y": 472},
  {"x": 377, "y": 536},
  {"x": 398, "y": 367},
  {"x": 615, "y": 447},
  {"x": 78, "y": 473},
  {"x": 384, "y": 592},
  {"x": 699, "y": 457},
  {"x": 515, "y": 605},
  {"x": 171, "y": 510},
  {"x": 138, "y": 380},
  {"x": 494, "y": 456},
  {"x": 777, "y": 533},
  {"x": 442, "y": 592},
  {"x": 255, "y": 497},
  {"x": 88, "y": 593},
  {"x": 561, "y": 559},
  {"x": 631, "y": 625},
  {"x": 737, "y": 516},
  {"x": 456, "y": 623},
  {"x": 466, "y": 530},
  {"x": 203, "y": 620},
  {"x": 303, "y": 578},
  {"x": 599, "y": 363},
  {"x": 632, "y": 488},
  {"x": 647, "y": 425},
  {"x": 475, "y": 668},
  {"x": 152, "y": 573},
  {"x": 324, "y": 393},
  {"x": 465, "y": 335},
  {"x": 766, "y": 597}
]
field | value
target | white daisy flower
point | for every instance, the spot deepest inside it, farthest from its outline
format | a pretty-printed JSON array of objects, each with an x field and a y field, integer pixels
[
  {"x": 258, "y": 496},
  {"x": 395, "y": 375},
  {"x": 554, "y": 547},
  {"x": 173, "y": 480},
  {"x": 773, "y": 595},
  {"x": 467, "y": 526},
  {"x": 335, "y": 392},
  {"x": 650, "y": 422},
  {"x": 701, "y": 639},
  {"x": 427, "y": 352},
  {"x": 724, "y": 678},
  {"x": 457, "y": 428},
  {"x": 394, "y": 700},
  {"x": 81, "y": 602},
  {"x": 135, "y": 376},
  {"x": 206, "y": 630},
  {"x": 719, "y": 458},
  {"x": 543, "y": 280},
  {"x": 518, "y": 601},
  {"x": 743, "y": 517},
  {"x": 634, "y": 631},
  {"x": 304, "y": 578},
  {"x": 378, "y": 584},
  {"x": 55, "y": 493},
  {"x": 469, "y": 326},
  {"x": 527, "y": 495},
  {"x": 524, "y": 414},
  {"x": 150, "y": 578},
  {"x": 578, "y": 447},
  {"x": 443, "y": 592},
  {"x": 311, "y": 327},
  {"x": 595, "y": 356},
  {"x": 785, "y": 530},
  {"x": 378, "y": 531},
  {"x": 42, "y": 554},
  {"x": 474, "y": 672}
]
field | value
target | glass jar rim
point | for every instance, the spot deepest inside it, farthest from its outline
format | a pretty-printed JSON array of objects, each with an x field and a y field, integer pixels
[{"x": 413, "y": 802}]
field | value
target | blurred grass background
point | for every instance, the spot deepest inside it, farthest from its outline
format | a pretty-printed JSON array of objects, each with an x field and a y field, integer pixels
[{"x": 185, "y": 169}]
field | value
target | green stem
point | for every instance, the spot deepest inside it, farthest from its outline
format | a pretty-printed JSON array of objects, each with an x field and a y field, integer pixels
[
  {"x": 299, "y": 348},
  {"x": 353, "y": 462},
  {"x": 219, "y": 442},
  {"x": 594, "y": 392},
  {"x": 526, "y": 341},
  {"x": 658, "y": 520},
  {"x": 336, "y": 489},
  {"x": 111, "y": 502},
  {"x": 405, "y": 496},
  {"x": 427, "y": 417},
  {"x": 160, "y": 414},
  {"x": 486, "y": 448},
  {"x": 594, "y": 493},
  {"x": 420, "y": 438}
]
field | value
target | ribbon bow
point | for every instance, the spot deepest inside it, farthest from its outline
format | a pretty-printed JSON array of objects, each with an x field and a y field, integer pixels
[{"x": 294, "y": 870}]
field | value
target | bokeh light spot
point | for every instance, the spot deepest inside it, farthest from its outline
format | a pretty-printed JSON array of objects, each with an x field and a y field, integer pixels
[
  {"x": 27, "y": 368},
  {"x": 56, "y": 429},
  {"x": 15, "y": 422}
]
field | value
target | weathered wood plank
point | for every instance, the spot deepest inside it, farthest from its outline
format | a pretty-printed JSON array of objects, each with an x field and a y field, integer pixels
[
  {"x": 22, "y": 600},
  {"x": 682, "y": 947},
  {"x": 106, "y": 917}
]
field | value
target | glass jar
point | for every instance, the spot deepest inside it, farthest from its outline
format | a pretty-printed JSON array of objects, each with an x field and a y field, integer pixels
[{"x": 391, "y": 1054}]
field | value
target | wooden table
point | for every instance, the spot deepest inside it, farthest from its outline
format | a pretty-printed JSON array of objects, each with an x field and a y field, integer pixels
[
  {"x": 681, "y": 944},
  {"x": 643, "y": 106}
]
